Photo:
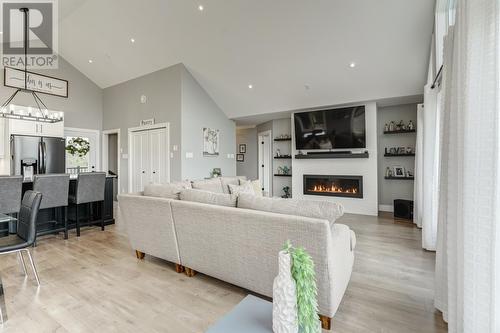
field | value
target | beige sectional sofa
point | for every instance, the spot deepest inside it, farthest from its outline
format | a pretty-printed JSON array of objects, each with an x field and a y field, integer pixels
[{"x": 240, "y": 245}]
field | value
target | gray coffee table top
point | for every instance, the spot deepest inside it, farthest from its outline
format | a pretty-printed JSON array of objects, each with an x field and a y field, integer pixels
[{"x": 251, "y": 315}]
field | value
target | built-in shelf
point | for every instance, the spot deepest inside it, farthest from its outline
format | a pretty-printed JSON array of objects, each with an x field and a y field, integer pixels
[
  {"x": 400, "y": 131},
  {"x": 278, "y": 175},
  {"x": 283, "y": 139},
  {"x": 282, "y": 157},
  {"x": 396, "y": 155},
  {"x": 400, "y": 178},
  {"x": 332, "y": 155}
]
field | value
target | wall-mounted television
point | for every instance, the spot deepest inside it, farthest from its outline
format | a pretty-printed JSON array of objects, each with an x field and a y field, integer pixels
[{"x": 342, "y": 128}]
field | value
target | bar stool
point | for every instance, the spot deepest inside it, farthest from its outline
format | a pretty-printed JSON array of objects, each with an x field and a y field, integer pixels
[
  {"x": 54, "y": 189},
  {"x": 89, "y": 188},
  {"x": 10, "y": 197}
]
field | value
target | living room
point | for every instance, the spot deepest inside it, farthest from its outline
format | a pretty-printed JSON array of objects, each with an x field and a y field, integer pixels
[{"x": 210, "y": 166}]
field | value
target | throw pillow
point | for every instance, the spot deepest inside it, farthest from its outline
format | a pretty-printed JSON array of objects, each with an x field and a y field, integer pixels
[
  {"x": 237, "y": 189},
  {"x": 211, "y": 185},
  {"x": 330, "y": 211},
  {"x": 168, "y": 191},
  {"x": 219, "y": 199},
  {"x": 256, "y": 186}
]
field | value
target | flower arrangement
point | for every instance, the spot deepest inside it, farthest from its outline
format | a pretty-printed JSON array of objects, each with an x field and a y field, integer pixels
[
  {"x": 78, "y": 147},
  {"x": 307, "y": 292}
]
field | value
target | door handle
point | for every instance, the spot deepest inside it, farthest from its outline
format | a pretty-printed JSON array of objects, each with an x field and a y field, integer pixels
[
  {"x": 154, "y": 171},
  {"x": 143, "y": 171}
]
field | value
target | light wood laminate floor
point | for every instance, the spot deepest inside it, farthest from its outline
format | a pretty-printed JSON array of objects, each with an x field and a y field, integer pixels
[{"x": 95, "y": 284}]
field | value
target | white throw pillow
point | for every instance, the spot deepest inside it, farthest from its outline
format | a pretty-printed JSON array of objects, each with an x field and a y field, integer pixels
[
  {"x": 245, "y": 188},
  {"x": 256, "y": 186},
  {"x": 219, "y": 199}
]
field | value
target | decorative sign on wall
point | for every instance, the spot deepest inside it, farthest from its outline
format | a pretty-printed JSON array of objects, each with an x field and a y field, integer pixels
[
  {"x": 14, "y": 78},
  {"x": 146, "y": 122},
  {"x": 210, "y": 142}
]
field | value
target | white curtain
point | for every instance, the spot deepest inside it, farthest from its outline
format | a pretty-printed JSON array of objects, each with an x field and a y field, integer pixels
[
  {"x": 468, "y": 244},
  {"x": 418, "y": 195}
]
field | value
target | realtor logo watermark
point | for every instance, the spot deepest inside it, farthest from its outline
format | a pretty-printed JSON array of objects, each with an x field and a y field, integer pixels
[{"x": 42, "y": 34}]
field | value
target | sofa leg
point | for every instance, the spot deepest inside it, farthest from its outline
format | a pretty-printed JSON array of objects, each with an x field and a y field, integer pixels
[
  {"x": 326, "y": 322},
  {"x": 179, "y": 268},
  {"x": 139, "y": 254},
  {"x": 190, "y": 272}
]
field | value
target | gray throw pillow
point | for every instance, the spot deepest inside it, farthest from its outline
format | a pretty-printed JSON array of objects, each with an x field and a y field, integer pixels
[
  {"x": 326, "y": 210},
  {"x": 219, "y": 199},
  {"x": 168, "y": 191},
  {"x": 211, "y": 185}
]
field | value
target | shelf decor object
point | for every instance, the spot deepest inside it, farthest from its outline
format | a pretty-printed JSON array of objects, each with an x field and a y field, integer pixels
[
  {"x": 399, "y": 178},
  {"x": 23, "y": 82},
  {"x": 400, "y": 131},
  {"x": 397, "y": 154}
]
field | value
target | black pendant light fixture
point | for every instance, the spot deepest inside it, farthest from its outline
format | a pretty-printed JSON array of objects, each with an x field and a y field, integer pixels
[{"x": 42, "y": 115}]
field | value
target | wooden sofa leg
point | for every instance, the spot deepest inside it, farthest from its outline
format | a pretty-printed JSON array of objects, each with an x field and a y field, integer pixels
[
  {"x": 139, "y": 254},
  {"x": 190, "y": 272},
  {"x": 179, "y": 268},
  {"x": 326, "y": 322}
]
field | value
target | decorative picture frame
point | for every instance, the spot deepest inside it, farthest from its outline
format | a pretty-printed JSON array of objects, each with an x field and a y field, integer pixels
[
  {"x": 14, "y": 78},
  {"x": 211, "y": 142},
  {"x": 242, "y": 148},
  {"x": 399, "y": 171},
  {"x": 240, "y": 157}
]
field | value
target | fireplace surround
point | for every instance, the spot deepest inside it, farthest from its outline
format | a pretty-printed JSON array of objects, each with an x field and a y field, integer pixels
[{"x": 334, "y": 185}]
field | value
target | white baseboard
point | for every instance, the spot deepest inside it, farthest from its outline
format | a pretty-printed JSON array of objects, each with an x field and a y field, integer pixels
[{"x": 386, "y": 208}]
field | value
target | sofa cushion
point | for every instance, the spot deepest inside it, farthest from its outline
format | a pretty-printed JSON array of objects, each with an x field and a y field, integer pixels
[
  {"x": 245, "y": 188},
  {"x": 169, "y": 190},
  {"x": 211, "y": 185},
  {"x": 308, "y": 208},
  {"x": 229, "y": 181},
  {"x": 212, "y": 198}
]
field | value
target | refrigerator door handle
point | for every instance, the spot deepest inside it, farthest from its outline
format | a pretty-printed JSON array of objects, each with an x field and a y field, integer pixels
[
  {"x": 44, "y": 157},
  {"x": 40, "y": 158}
]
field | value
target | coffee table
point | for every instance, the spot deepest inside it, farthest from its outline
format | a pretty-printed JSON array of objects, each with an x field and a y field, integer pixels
[{"x": 251, "y": 315}]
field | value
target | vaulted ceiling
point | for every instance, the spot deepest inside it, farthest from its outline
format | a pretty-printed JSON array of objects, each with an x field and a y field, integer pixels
[{"x": 295, "y": 53}]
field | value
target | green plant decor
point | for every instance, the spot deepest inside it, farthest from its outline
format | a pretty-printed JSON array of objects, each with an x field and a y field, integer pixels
[
  {"x": 78, "y": 147},
  {"x": 307, "y": 292}
]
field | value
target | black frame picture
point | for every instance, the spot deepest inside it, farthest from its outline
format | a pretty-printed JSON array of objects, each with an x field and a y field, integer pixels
[
  {"x": 243, "y": 148},
  {"x": 240, "y": 157}
]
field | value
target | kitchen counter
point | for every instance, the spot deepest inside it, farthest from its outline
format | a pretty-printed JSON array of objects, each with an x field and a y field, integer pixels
[{"x": 46, "y": 216}]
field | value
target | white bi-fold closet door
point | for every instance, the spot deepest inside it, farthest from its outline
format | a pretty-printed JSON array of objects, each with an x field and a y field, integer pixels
[{"x": 148, "y": 160}]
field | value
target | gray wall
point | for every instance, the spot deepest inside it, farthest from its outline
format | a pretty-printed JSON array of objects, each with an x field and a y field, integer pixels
[
  {"x": 199, "y": 111},
  {"x": 123, "y": 109},
  {"x": 82, "y": 109},
  {"x": 388, "y": 190},
  {"x": 249, "y": 167}
]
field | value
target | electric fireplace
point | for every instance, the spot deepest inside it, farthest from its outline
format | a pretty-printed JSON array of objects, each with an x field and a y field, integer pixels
[{"x": 333, "y": 185}]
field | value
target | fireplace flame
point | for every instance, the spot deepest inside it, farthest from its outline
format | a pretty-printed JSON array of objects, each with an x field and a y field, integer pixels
[{"x": 333, "y": 189}]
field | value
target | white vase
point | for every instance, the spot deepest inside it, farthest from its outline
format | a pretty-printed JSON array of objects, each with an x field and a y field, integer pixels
[{"x": 284, "y": 298}]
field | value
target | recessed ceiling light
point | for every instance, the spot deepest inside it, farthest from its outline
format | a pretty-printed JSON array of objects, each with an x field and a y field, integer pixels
[
  {"x": 90, "y": 61},
  {"x": 250, "y": 86},
  {"x": 352, "y": 64},
  {"x": 200, "y": 8},
  {"x": 132, "y": 40}
]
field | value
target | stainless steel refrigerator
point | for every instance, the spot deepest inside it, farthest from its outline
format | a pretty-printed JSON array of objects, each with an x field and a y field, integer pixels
[{"x": 37, "y": 155}]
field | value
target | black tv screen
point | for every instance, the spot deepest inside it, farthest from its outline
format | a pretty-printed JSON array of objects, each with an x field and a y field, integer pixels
[{"x": 330, "y": 129}]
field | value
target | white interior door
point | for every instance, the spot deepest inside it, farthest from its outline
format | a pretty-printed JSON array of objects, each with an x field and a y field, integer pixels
[
  {"x": 158, "y": 155},
  {"x": 149, "y": 156},
  {"x": 140, "y": 160},
  {"x": 265, "y": 164}
]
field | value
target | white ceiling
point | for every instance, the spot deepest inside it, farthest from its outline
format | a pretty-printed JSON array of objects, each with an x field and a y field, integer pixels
[{"x": 278, "y": 46}]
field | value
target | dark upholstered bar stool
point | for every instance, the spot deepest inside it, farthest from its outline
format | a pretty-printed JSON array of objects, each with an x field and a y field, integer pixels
[
  {"x": 89, "y": 188},
  {"x": 10, "y": 197},
  {"x": 26, "y": 231},
  {"x": 54, "y": 189}
]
